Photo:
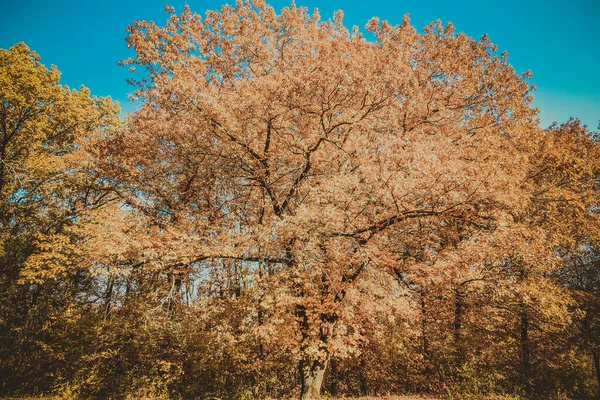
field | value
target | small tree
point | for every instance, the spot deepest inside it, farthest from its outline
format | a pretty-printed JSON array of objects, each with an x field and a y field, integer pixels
[{"x": 43, "y": 182}]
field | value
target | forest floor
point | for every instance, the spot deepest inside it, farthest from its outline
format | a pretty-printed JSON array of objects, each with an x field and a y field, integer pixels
[
  {"x": 389, "y": 398},
  {"x": 328, "y": 398},
  {"x": 325, "y": 398},
  {"x": 414, "y": 397}
]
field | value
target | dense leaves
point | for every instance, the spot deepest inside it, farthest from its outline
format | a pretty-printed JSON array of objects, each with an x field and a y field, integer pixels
[{"x": 296, "y": 210}]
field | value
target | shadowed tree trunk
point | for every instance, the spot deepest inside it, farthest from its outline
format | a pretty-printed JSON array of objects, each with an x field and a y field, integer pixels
[
  {"x": 458, "y": 317},
  {"x": 525, "y": 360},
  {"x": 333, "y": 386},
  {"x": 597, "y": 368},
  {"x": 424, "y": 333},
  {"x": 363, "y": 376}
]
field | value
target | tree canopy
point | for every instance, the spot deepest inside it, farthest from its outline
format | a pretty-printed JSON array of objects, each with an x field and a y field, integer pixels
[{"x": 294, "y": 209}]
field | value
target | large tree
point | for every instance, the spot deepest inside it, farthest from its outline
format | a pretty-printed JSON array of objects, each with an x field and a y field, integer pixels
[
  {"x": 295, "y": 208},
  {"x": 314, "y": 158}
]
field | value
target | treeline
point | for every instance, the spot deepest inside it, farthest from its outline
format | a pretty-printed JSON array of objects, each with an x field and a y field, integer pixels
[{"x": 295, "y": 211}]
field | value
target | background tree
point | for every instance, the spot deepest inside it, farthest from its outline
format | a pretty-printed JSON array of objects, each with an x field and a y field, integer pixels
[{"x": 42, "y": 184}]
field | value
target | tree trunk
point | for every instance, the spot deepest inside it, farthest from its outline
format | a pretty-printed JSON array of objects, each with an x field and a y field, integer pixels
[
  {"x": 525, "y": 361},
  {"x": 2, "y": 161},
  {"x": 310, "y": 369},
  {"x": 108, "y": 295},
  {"x": 424, "y": 333},
  {"x": 458, "y": 313},
  {"x": 311, "y": 377},
  {"x": 363, "y": 376},
  {"x": 597, "y": 368},
  {"x": 333, "y": 387}
]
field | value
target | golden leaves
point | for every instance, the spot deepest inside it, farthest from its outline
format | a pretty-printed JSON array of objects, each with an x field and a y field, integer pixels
[{"x": 348, "y": 179}]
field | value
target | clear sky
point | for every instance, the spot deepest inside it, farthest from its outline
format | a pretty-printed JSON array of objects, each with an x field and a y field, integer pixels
[{"x": 559, "y": 41}]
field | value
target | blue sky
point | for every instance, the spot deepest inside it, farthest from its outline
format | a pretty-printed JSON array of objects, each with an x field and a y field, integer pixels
[{"x": 558, "y": 41}]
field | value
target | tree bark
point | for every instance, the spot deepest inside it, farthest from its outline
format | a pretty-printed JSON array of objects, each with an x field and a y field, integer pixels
[
  {"x": 108, "y": 295},
  {"x": 363, "y": 376},
  {"x": 424, "y": 333},
  {"x": 525, "y": 360},
  {"x": 311, "y": 370},
  {"x": 458, "y": 314},
  {"x": 333, "y": 387},
  {"x": 311, "y": 377},
  {"x": 2, "y": 161},
  {"x": 596, "y": 355}
]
